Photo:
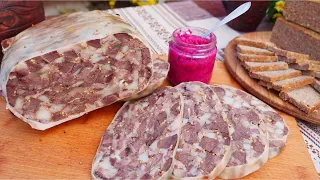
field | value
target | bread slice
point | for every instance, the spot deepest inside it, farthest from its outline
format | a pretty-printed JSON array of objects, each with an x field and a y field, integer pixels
[
  {"x": 288, "y": 54},
  {"x": 256, "y": 58},
  {"x": 253, "y": 50},
  {"x": 272, "y": 76},
  {"x": 252, "y": 43},
  {"x": 306, "y": 66},
  {"x": 289, "y": 84},
  {"x": 265, "y": 66},
  {"x": 292, "y": 60},
  {"x": 306, "y": 98},
  {"x": 312, "y": 73},
  {"x": 316, "y": 85}
]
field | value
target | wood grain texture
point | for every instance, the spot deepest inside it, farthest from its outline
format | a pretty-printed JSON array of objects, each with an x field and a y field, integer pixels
[
  {"x": 271, "y": 97},
  {"x": 66, "y": 151}
]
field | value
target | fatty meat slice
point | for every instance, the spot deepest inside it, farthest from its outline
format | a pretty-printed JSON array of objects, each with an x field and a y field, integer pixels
[
  {"x": 141, "y": 141},
  {"x": 277, "y": 128},
  {"x": 204, "y": 145},
  {"x": 70, "y": 65},
  {"x": 249, "y": 137}
]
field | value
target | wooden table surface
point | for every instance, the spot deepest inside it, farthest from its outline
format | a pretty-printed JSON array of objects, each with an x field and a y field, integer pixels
[{"x": 66, "y": 151}]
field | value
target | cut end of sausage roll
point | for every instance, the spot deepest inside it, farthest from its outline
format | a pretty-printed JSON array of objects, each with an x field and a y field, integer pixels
[
  {"x": 204, "y": 146},
  {"x": 160, "y": 72},
  {"x": 46, "y": 84},
  {"x": 141, "y": 141}
]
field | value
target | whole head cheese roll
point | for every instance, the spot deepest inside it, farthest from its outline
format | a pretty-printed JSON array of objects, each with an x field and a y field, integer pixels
[{"x": 70, "y": 65}]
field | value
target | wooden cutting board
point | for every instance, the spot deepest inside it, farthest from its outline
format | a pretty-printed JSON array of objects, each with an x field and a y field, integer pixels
[
  {"x": 66, "y": 151},
  {"x": 269, "y": 96}
]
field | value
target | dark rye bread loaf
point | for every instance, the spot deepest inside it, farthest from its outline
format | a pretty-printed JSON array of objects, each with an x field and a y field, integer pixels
[
  {"x": 305, "y": 13},
  {"x": 293, "y": 37}
]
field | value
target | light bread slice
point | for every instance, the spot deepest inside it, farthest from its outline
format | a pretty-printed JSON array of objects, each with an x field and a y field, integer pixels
[
  {"x": 256, "y": 58},
  {"x": 306, "y": 98},
  {"x": 272, "y": 76},
  {"x": 312, "y": 73},
  {"x": 253, "y": 43},
  {"x": 292, "y": 60},
  {"x": 289, "y": 84},
  {"x": 288, "y": 54},
  {"x": 265, "y": 66},
  {"x": 316, "y": 85},
  {"x": 253, "y": 50},
  {"x": 307, "y": 66}
]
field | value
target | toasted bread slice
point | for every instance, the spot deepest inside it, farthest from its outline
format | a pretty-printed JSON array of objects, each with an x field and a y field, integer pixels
[
  {"x": 289, "y": 84},
  {"x": 315, "y": 74},
  {"x": 292, "y": 60},
  {"x": 306, "y": 98},
  {"x": 256, "y": 58},
  {"x": 288, "y": 54},
  {"x": 265, "y": 66},
  {"x": 253, "y": 50},
  {"x": 253, "y": 43},
  {"x": 272, "y": 76},
  {"x": 316, "y": 85}
]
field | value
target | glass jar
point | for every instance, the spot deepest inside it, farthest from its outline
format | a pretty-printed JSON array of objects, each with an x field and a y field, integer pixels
[{"x": 191, "y": 57}]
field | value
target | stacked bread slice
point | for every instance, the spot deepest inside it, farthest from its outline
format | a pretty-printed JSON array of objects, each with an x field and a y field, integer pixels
[{"x": 293, "y": 75}]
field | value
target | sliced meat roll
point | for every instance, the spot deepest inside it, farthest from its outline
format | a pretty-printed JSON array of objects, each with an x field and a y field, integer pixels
[
  {"x": 204, "y": 146},
  {"x": 249, "y": 137},
  {"x": 160, "y": 72},
  {"x": 140, "y": 142},
  {"x": 277, "y": 128},
  {"x": 70, "y": 65}
]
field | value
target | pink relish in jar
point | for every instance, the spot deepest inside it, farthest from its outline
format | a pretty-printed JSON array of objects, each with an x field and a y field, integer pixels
[{"x": 191, "y": 56}]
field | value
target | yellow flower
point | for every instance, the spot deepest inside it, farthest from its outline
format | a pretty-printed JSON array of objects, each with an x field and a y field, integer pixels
[
  {"x": 144, "y": 2},
  {"x": 279, "y": 6},
  {"x": 112, "y": 3},
  {"x": 276, "y": 15}
]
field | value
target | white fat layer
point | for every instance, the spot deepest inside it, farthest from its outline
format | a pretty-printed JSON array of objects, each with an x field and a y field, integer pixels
[
  {"x": 237, "y": 104},
  {"x": 278, "y": 131},
  {"x": 108, "y": 170},
  {"x": 77, "y": 72},
  {"x": 44, "y": 99},
  {"x": 134, "y": 84},
  {"x": 211, "y": 135},
  {"x": 205, "y": 118},
  {"x": 154, "y": 146},
  {"x": 125, "y": 49},
  {"x": 174, "y": 126},
  {"x": 21, "y": 66},
  {"x": 178, "y": 172},
  {"x": 144, "y": 157},
  {"x": 279, "y": 125},
  {"x": 184, "y": 121},
  {"x": 19, "y": 103},
  {"x": 77, "y": 84},
  {"x": 97, "y": 57},
  {"x": 59, "y": 60},
  {"x": 43, "y": 114},
  {"x": 56, "y": 107},
  {"x": 228, "y": 100},
  {"x": 164, "y": 151}
]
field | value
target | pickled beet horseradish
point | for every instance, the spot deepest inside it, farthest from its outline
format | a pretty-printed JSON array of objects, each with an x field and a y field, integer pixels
[{"x": 191, "y": 56}]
